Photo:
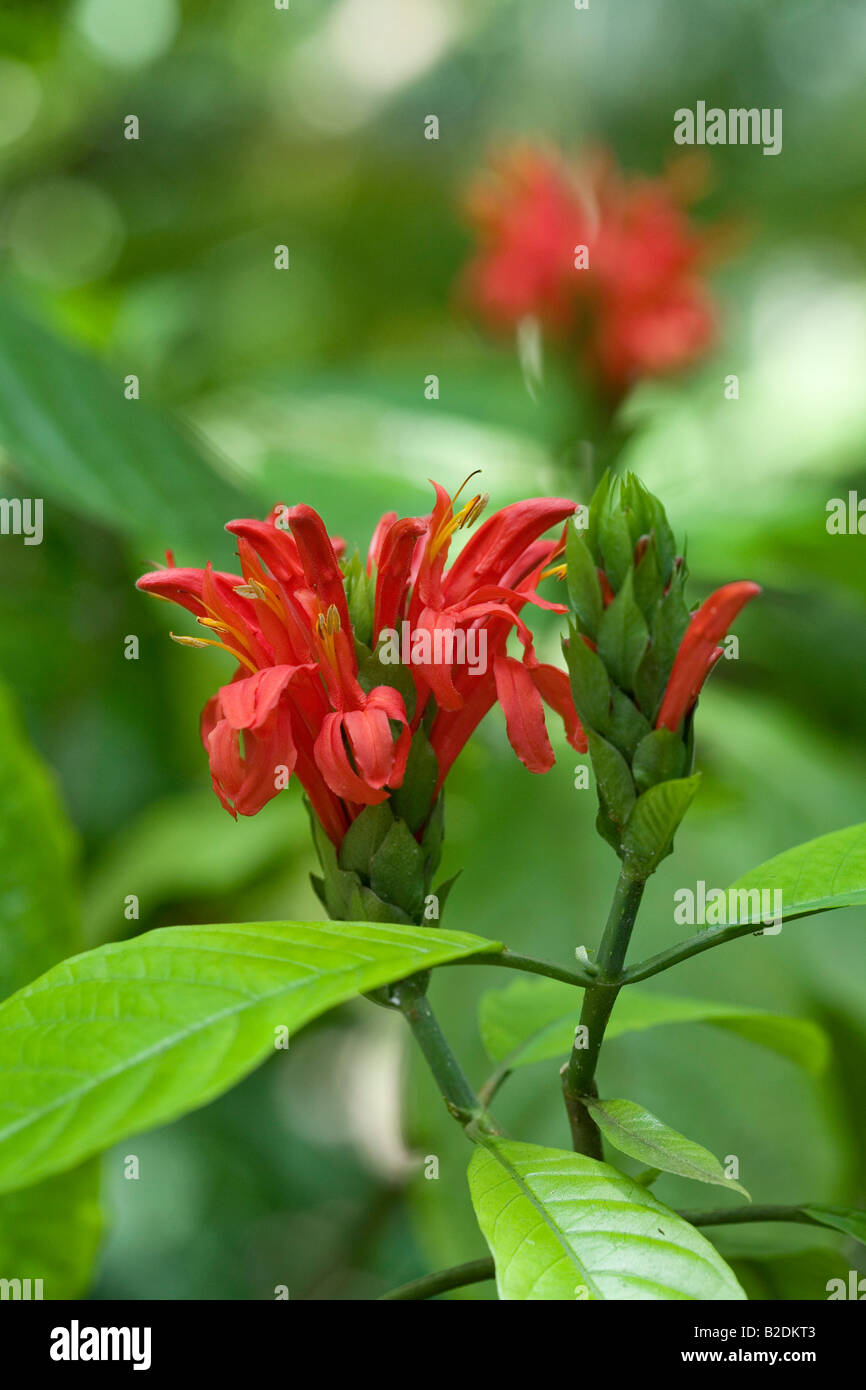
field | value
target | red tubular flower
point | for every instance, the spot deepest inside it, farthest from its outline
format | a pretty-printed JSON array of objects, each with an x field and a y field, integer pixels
[
  {"x": 637, "y": 309},
  {"x": 698, "y": 652},
  {"x": 296, "y": 704}
]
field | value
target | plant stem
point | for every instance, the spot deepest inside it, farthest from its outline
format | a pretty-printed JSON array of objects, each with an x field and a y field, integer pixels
[
  {"x": 510, "y": 960},
  {"x": 735, "y": 1216},
  {"x": 704, "y": 941},
  {"x": 474, "y": 1272},
  {"x": 459, "y": 1096},
  {"x": 578, "y": 1077}
]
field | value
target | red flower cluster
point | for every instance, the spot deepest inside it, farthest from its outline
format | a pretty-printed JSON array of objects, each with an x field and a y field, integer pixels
[
  {"x": 295, "y": 701},
  {"x": 637, "y": 309}
]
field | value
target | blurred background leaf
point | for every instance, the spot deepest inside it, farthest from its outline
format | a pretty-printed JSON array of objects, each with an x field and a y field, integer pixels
[{"x": 50, "y": 1231}]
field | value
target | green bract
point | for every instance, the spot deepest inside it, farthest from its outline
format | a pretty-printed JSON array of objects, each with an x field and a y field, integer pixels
[{"x": 620, "y": 655}]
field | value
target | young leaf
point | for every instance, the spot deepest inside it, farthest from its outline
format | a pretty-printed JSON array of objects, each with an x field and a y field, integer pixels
[
  {"x": 134, "y": 1034},
  {"x": 654, "y": 819},
  {"x": 562, "y": 1226},
  {"x": 634, "y": 1131},
  {"x": 533, "y": 1021}
]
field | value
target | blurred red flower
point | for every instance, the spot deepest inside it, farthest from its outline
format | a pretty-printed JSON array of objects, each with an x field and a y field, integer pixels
[
  {"x": 638, "y": 308},
  {"x": 296, "y": 700}
]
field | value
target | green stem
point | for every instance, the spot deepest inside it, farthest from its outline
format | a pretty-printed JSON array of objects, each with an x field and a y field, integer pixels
[
  {"x": 474, "y": 1272},
  {"x": 578, "y": 1078},
  {"x": 510, "y": 960},
  {"x": 459, "y": 1096},
  {"x": 735, "y": 1216},
  {"x": 704, "y": 941}
]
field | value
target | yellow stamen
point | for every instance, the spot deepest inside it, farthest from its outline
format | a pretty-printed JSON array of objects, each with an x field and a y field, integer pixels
[
  {"x": 219, "y": 625},
  {"x": 558, "y": 570},
  {"x": 468, "y": 514},
  {"x": 205, "y": 642},
  {"x": 327, "y": 626},
  {"x": 258, "y": 589}
]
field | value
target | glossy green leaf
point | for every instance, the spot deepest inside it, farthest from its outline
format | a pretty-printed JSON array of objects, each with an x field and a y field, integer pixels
[
  {"x": 562, "y": 1226},
  {"x": 136, "y": 1033},
  {"x": 76, "y": 438},
  {"x": 815, "y": 877},
  {"x": 534, "y": 1020},
  {"x": 634, "y": 1131}
]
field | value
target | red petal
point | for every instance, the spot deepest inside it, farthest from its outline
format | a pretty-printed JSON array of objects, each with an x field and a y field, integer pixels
[
  {"x": 321, "y": 570},
  {"x": 697, "y": 650},
  {"x": 333, "y": 761},
  {"x": 246, "y": 704},
  {"x": 524, "y": 714},
  {"x": 555, "y": 689}
]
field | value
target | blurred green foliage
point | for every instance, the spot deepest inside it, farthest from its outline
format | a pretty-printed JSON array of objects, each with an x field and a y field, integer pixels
[{"x": 261, "y": 127}]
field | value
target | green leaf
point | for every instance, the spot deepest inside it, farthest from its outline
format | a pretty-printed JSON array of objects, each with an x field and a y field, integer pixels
[
  {"x": 562, "y": 1226},
  {"x": 75, "y": 437},
  {"x": 852, "y": 1222},
  {"x": 815, "y": 877},
  {"x": 654, "y": 819},
  {"x": 136, "y": 1033},
  {"x": 615, "y": 787},
  {"x": 623, "y": 636},
  {"x": 634, "y": 1131},
  {"x": 534, "y": 1020},
  {"x": 51, "y": 1231},
  {"x": 584, "y": 588}
]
